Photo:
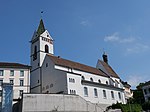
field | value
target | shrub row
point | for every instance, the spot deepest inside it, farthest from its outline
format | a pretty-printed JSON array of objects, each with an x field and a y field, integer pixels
[{"x": 127, "y": 107}]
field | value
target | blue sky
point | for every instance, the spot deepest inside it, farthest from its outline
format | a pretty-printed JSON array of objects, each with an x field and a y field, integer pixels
[{"x": 81, "y": 30}]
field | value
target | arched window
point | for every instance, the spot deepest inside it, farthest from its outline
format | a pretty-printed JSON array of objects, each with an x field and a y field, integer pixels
[
  {"x": 119, "y": 95},
  {"x": 95, "y": 92},
  {"x": 35, "y": 53},
  {"x": 91, "y": 79},
  {"x": 104, "y": 93},
  {"x": 112, "y": 95},
  {"x": 107, "y": 82},
  {"x": 85, "y": 91},
  {"x": 70, "y": 91},
  {"x": 74, "y": 91},
  {"x": 99, "y": 81},
  {"x": 83, "y": 78},
  {"x": 46, "y": 49}
]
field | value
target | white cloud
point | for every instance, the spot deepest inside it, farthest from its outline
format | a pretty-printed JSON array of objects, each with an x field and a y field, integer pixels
[
  {"x": 130, "y": 44},
  {"x": 112, "y": 38},
  {"x": 116, "y": 38},
  {"x": 137, "y": 48},
  {"x": 134, "y": 80},
  {"x": 85, "y": 23}
]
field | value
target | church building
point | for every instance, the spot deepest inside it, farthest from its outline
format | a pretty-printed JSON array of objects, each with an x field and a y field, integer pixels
[{"x": 53, "y": 74}]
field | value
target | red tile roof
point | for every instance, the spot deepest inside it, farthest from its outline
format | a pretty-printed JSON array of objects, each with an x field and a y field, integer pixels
[
  {"x": 13, "y": 65},
  {"x": 76, "y": 65},
  {"x": 109, "y": 70}
]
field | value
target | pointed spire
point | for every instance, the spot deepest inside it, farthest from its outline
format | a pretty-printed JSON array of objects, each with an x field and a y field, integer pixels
[{"x": 41, "y": 28}]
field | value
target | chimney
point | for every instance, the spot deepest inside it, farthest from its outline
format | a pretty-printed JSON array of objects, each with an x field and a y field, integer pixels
[{"x": 105, "y": 58}]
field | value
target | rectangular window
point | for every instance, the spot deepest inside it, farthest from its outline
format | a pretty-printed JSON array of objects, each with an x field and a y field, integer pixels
[
  {"x": 112, "y": 95},
  {"x": 72, "y": 80},
  {"x": 119, "y": 95},
  {"x": 1, "y": 81},
  {"x": 0, "y": 92},
  {"x": 1, "y": 72},
  {"x": 85, "y": 91},
  {"x": 21, "y": 73},
  {"x": 72, "y": 91},
  {"x": 21, "y": 82},
  {"x": 95, "y": 92},
  {"x": 11, "y": 72},
  {"x": 20, "y": 92},
  {"x": 11, "y": 81},
  {"x": 104, "y": 94}
]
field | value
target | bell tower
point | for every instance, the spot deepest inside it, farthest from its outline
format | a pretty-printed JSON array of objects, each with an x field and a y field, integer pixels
[{"x": 41, "y": 44}]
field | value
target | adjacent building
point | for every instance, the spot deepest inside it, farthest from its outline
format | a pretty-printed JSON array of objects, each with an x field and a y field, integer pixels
[
  {"x": 54, "y": 74},
  {"x": 16, "y": 74},
  {"x": 146, "y": 90},
  {"x": 127, "y": 90}
]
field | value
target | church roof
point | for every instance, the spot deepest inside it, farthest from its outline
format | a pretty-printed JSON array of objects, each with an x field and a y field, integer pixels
[
  {"x": 41, "y": 28},
  {"x": 76, "y": 65},
  {"x": 108, "y": 70},
  {"x": 13, "y": 65}
]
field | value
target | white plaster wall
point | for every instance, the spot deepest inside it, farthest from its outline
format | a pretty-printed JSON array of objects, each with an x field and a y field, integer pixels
[
  {"x": 87, "y": 76},
  {"x": 74, "y": 85},
  {"x": 79, "y": 88},
  {"x": 16, "y": 78},
  {"x": 35, "y": 80},
  {"x": 40, "y": 49},
  {"x": 61, "y": 68},
  {"x": 42, "y": 46},
  {"x": 54, "y": 81},
  {"x": 100, "y": 98}
]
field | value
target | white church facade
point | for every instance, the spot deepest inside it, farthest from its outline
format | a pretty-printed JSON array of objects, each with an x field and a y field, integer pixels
[{"x": 53, "y": 74}]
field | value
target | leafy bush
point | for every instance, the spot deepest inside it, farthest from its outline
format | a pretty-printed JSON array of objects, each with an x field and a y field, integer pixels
[
  {"x": 146, "y": 106},
  {"x": 127, "y": 107}
]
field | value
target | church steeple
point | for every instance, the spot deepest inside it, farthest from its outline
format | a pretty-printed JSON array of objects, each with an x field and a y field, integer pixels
[
  {"x": 41, "y": 28},
  {"x": 41, "y": 44}
]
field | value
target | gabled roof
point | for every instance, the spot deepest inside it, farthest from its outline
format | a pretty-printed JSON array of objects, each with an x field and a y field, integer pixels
[
  {"x": 41, "y": 28},
  {"x": 108, "y": 70},
  {"x": 13, "y": 65},
  {"x": 125, "y": 84},
  {"x": 75, "y": 65}
]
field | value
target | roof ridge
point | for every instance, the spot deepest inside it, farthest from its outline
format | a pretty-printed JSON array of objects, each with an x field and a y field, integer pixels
[
  {"x": 107, "y": 66},
  {"x": 73, "y": 61},
  {"x": 75, "y": 65}
]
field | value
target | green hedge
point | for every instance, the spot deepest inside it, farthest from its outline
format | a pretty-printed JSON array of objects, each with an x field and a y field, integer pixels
[
  {"x": 127, "y": 107},
  {"x": 146, "y": 106}
]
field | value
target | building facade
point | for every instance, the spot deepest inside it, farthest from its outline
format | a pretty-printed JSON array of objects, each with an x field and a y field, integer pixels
[
  {"x": 53, "y": 74},
  {"x": 16, "y": 74},
  {"x": 127, "y": 90},
  {"x": 146, "y": 90}
]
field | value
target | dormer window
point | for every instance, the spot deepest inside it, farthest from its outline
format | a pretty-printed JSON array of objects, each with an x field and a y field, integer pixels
[
  {"x": 91, "y": 79},
  {"x": 99, "y": 81},
  {"x": 83, "y": 78},
  {"x": 107, "y": 82}
]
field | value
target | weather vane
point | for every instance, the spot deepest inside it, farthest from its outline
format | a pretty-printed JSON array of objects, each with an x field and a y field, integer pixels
[{"x": 42, "y": 13}]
